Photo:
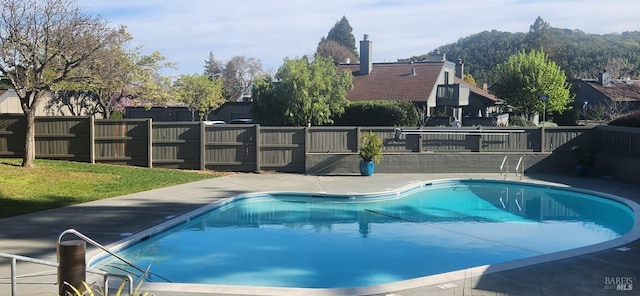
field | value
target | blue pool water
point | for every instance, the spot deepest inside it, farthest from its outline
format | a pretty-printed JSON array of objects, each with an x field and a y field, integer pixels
[{"x": 322, "y": 241}]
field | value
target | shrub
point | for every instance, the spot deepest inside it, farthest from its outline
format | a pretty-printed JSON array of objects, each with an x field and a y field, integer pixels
[
  {"x": 631, "y": 120},
  {"x": 371, "y": 147},
  {"x": 567, "y": 118},
  {"x": 378, "y": 113},
  {"x": 517, "y": 121}
]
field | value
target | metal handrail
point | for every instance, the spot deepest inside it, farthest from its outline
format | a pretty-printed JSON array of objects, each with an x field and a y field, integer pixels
[
  {"x": 96, "y": 244},
  {"x": 105, "y": 275},
  {"x": 504, "y": 161},
  {"x": 518, "y": 167}
]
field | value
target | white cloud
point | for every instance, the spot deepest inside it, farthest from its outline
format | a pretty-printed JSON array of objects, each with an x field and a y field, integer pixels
[{"x": 185, "y": 32}]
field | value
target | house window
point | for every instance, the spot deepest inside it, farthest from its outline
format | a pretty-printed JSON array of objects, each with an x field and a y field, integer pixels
[{"x": 446, "y": 77}]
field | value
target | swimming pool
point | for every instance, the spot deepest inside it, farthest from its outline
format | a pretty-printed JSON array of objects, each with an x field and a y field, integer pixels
[{"x": 330, "y": 241}]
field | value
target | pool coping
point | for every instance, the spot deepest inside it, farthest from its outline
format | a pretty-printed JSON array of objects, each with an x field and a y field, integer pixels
[{"x": 439, "y": 279}]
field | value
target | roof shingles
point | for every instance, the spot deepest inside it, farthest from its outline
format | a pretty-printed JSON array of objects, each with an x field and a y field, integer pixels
[
  {"x": 394, "y": 81},
  {"x": 618, "y": 90}
]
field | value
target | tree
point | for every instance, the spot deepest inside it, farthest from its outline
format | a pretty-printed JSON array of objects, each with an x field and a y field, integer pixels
[
  {"x": 212, "y": 67},
  {"x": 468, "y": 78},
  {"x": 5, "y": 83},
  {"x": 116, "y": 77},
  {"x": 342, "y": 33},
  {"x": 238, "y": 75},
  {"x": 41, "y": 43},
  {"x": 539, "y": 36},
  {"x": 200, "y": 93},
  {"x": 620, "y": 68},
  {"x": 525, "y": 77},
  {"x": 302, "y": 93},
  {"x": 335, "y": 51},
  {"x": 269, "y": 104},
  {"x": 608, "y": 110},
  {"x": 76, "y": 101},
  {"x": 127, "y": 77},
  {"x": 481, "y": 52}
]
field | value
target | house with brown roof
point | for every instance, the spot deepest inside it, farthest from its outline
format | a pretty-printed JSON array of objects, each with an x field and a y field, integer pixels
[
  {"x": 606, "y": 95},
  {"x": 434, "y": 85}
]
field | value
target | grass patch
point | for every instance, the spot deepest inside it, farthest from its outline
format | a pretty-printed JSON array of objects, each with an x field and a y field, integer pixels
[{"x": 52, "y": 184}]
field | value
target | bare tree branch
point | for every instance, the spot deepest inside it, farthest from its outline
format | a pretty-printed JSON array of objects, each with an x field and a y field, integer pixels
[{"x": 41, "y": 43}]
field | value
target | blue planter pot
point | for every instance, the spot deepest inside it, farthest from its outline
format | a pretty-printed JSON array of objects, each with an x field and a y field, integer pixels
[
  {"x": 366, "y": 168},
  {"x": 582, "y": 171}
]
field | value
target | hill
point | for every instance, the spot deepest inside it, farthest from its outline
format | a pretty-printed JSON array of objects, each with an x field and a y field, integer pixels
[{"x": 579, "y": 54}]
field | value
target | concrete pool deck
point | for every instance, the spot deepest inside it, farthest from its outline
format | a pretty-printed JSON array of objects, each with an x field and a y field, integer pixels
[{"x": 106, "y": 221}]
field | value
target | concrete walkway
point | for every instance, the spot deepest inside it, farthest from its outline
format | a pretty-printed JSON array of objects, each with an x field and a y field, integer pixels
[{"x": 106, "y": 221}]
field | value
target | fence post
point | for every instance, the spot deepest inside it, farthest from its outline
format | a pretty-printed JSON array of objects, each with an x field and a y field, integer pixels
[
  {"x": 358, "y": 137},
  {"x": 480, "y": 140},
  {"x": 92, "y": 139},
  {"x": 543, "y": 139},
  {"x": 420, "y": 138},
  {"x": 203, "y": 146},
  {"x": 150, "y": 137},
  {"x": 307, "y": 140},
  {"x": 257, "y": 139}
]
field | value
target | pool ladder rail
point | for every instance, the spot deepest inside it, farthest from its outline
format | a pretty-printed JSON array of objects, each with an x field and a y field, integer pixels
[
  {"x": 504, "y": 199},
  {"x": 519, "y": 170}
]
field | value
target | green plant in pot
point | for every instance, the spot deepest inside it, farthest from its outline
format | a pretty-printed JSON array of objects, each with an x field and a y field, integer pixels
[
  {"x": 370, "y": 153},
  {"x": 584, "y": 160}
]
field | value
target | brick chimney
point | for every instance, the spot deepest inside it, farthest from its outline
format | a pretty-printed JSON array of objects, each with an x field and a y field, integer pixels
[
  {"x": 460, "y": 69},
  {"x": 366, "y": 63},
  {"x": 604, "y": 78},
  {"x": 437, "y": 56}
]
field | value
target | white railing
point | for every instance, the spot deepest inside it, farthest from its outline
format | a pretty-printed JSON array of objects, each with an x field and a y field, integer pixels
[
  {"x": 105, "y": 275},
  {"x": 517, "y": 170},
  {"x": 503, "y": 172}
]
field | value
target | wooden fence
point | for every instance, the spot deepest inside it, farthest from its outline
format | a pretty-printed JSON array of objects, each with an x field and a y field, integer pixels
[{"x": 194, "y": 145}]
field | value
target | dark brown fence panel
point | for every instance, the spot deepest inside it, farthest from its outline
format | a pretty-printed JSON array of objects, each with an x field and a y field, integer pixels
[
  {"x": 333, "y": 139},
  {"x": 12, "y": 135},
  {"x": 282, "y": 149},
  {"x": 123, "y": 141},
  {"x": 404, "y": 143},
  {"x": 500, "y": 142},
  {"x": 176, "y": 145},
  {"x": 512, "y": 140},
  {"x": 620, "y": 141},
  {"x": 231, "y": 147},
  {"x": 449, "y": 142},
  {"x": 564, "y": 138},
  {"x": 67, "y": 138},
  {"x": 534, "y": 139}
]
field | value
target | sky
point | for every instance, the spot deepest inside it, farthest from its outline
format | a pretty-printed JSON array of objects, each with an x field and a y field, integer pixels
[{"x": 185, "y": 32}]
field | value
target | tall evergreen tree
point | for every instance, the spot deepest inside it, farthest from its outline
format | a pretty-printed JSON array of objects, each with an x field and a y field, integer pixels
[
  {"x": 335, "y": 51},
  {"x": 212, "y": 67},
  {"x": 342, "y": 33},
  {"x": 539, "y": 35}
]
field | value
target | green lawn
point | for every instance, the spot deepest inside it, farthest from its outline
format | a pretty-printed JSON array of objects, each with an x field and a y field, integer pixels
[{"x": 52, "y": 184}]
